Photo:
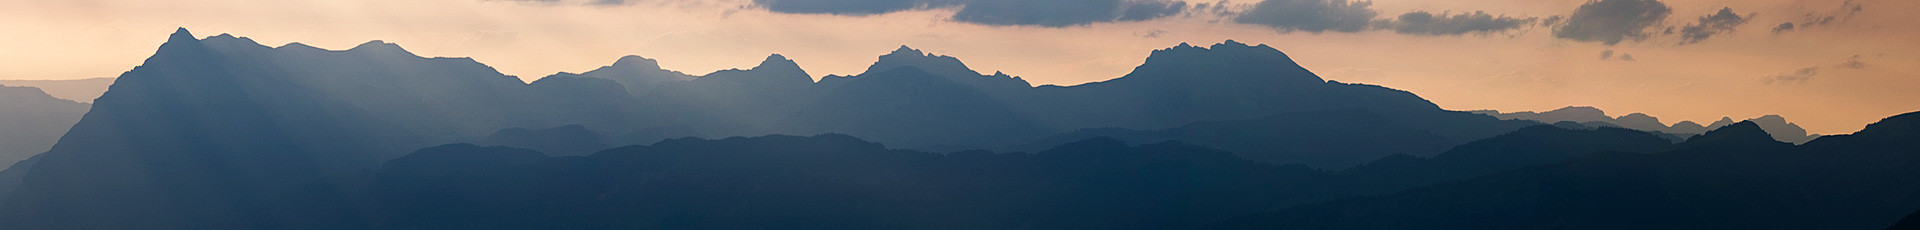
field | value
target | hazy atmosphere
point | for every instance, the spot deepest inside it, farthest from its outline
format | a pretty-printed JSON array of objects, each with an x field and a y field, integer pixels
[
  {"x": 960, "y": 114},
  {"x": 1830, "y": 66}
]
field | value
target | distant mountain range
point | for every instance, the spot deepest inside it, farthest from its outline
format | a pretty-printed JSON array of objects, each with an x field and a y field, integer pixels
[
  {"x": 31, "y": 121},
  {"x": 81, "y": 90},
  {"x": 1775, "y": 125},
  {"x": 224, "y": 133}
]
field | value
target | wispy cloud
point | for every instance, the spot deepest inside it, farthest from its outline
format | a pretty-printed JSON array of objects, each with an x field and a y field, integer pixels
[
  {"x": 995, "y": 12},
  {"x": 1312, "y": 16},
  {"x": 1612, "y": 21},
  {"x": 1851, "y": 63},
  {"x": 1478, "y": 22},
  {"x": 1717, "y": 23},
  {"x": 1799, "y": 76},
  {"x": 1843, "y": 13}
]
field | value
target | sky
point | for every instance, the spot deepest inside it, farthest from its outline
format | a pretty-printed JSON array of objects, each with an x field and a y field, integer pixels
[{"x": 1840, "y": 66}]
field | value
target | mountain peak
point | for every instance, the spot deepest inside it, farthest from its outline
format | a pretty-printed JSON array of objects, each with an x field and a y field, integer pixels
[
  {"x": 26, "y": 92},
  {"x": 907, "y": 51},
  {"x": 1229, "y": 43},
  {"x": 937, "y": 64},
  {"x": 637, "y": 60},
  {"x": 775, "y": 69},
  {"x": 1580, "y": 111},
  {"x": 776, "y": 62},
  {"x": 299, "y": 46},
  {"x": 1637, "y": 116},
  {"x": 230, "y": 41},
  {"x": 1233, "y": 61},
  {"x": 1723, "y": 122},
  {"x": 181, "y": 35},
  {"x": 1783, "y": 130},
  {"x": 1689, "y": 125},
  {"x": 1736, "y": 134},
  {"x": 1771, "y": 118},
  {"x": 381, "y": 47}
]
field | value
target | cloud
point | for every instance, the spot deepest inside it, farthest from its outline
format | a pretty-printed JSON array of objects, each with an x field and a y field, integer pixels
[
  {"x": 582, "y": 2},
  {"x": 526, "y": 1},
  {"x": 842, "y": 7},
  {"x": 1222, "y": 8},
  {"x": 1153, "y": 33},
  {"x": 1313, "y": 16},
  {"x": 1062, "y": 13},
  {"x": 1051, "y": 13},
  {"x": 1721, "y": 22},
  {"x": 1626, "y": 57},
  {"x": 1843, "y": 13},
  {"x": 1851, "y": 63},
  {"x": 1799, "y": 76},
  {"x": 1607, "y": 54},
  {"x": 608, "y": 2},
  {"x": 1478, "y": 22},
  {"x": 1612, "y": 21}
]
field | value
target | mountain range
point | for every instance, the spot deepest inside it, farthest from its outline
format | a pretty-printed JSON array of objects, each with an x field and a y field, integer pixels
[
  {"x": 222, "y": 132},
  {"x": 1775, "y": 125},
  {"x": 1736, "y": 177},
  {"x": 80, "y": 90},
  {"x": 31, "y": 121}
]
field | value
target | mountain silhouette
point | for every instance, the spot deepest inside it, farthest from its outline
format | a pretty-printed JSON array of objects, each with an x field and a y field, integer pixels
[
  {"x": 1536, "y": 145},
  {"x": 208, "y": 133},
  {"x": 1737, "y": 176},
  {"x": 1912, "y": 221},
  {"x": 224, "y": 133},
  {"x": 838, "y": 181},
  {"x": 910, "y": 107},
  {"x": 638, "y": 74},
  {"x": 569, "y": 140},
  {"x": 1236, "y": 81},
  {"x": 835, "y": 181},
  {"x": 1332, "y": 139},
  {"x": 1594, "y": 117},
  {"x": 80, "y": 90},
  {"x": 950, "y": 68},
  {"x": 1784, "y": 131},
  {"x": 31, "y": 121},
  {"x": 599, "y": 103},
  {"x": 734, "y": 102}
]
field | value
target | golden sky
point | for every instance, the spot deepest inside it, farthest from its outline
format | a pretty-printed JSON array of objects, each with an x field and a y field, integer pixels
[{"x": 1831, "y": 78}]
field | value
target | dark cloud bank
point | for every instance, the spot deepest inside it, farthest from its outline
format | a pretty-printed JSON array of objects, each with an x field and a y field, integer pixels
[
  {"x": 1612, "y": 21},
  {"x": 1717, "y": 23},
  {"x": 1604, "y": 21},
  {"x": 1478, "y": 22},
  {"x": 1313, "y": 16},
  {"x": 1317, "y": 16},
  {"x": 1845, "y": 12},
  {"x": 1061, "y": 13}
]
